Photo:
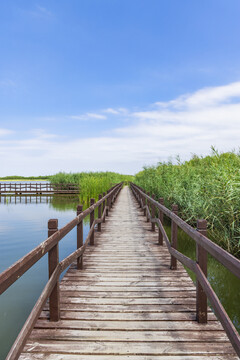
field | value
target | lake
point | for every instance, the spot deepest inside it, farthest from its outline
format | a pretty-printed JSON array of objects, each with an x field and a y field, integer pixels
[{"x": 23, "y": 225}]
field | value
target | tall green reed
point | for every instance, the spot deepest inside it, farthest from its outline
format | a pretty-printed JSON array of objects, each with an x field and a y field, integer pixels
[
  {"x": 204, "y": 187},
  {"x": 90, "y": 183}
]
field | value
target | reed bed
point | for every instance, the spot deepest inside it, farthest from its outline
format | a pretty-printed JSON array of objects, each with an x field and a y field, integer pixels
[
  {"x": 204, "y": 187},
  {"x": 90, "y": 183}
]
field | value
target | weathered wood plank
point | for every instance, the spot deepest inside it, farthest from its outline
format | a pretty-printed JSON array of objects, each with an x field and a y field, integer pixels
[
  {"x": 48, "y": 356},
  {"x": 132, "y": 294},
  {"x": 148, "y": 316},
  {"x": 130, "y": 336},
  {"x": 127, "y": 301},
  {"x": 128, "y": 348},
  {"x": 128, "y": 325}
]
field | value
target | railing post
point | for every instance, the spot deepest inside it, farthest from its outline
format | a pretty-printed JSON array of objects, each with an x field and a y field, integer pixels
[
  {"x": 148, "y": 193},
  {"x": 144, "y": 204},
  {"x": 79, "y": 238},
  {"x": 139, "y": 199},
  {"x": 153, "y": 213},
  {"x": 53, "y": 260},
  {"x": 99, "y": 212},
  {"x": 201, "y": 255},
  {"x": 107, "y": 209},
  {"x": 92, "y": 201},
  {"x": 103, "y": 207},
  {"x": 160, "y": 236},
  {"x": 174, "y": 231}
]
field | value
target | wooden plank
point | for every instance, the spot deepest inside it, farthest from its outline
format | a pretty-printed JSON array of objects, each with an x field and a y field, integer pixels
[
  {"x": 126, "y": 301},
  {"x": 128, "y": 325},
  {"x": 124, "y": 288},
  {"x": 128, "y": 348},
  {"x": 48, "y": 356},
  {"x": 132, "y": 294},
  {"x": 84, "y": 315},
  {"x": 129, "y": 335},
  {"x": 129, "y": 308}
]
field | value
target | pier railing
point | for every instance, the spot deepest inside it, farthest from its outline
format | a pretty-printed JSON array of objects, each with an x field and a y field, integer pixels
[
  {"x": 50, "y": 246},
  {"x": 37, "y": 188},
  {"x": 154, "y": 212}
]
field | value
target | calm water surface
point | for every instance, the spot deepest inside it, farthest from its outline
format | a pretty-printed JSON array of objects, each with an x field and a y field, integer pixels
[{"x": 23, "y": 225}]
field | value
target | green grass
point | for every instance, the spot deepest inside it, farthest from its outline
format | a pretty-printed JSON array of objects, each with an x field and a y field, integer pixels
[
  {"x": 207, "y": 188},
  {"x": 91, "y": 183}
]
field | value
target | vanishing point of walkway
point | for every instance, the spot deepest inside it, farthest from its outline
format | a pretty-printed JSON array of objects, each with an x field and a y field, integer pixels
[{"x": 126, "y": 303}]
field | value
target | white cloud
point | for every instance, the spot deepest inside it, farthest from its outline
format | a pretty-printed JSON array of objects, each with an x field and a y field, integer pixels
[
  {"x": 88, "y": 116},
  {"x": 4, "y": 132},
  {"x": 39, "y": 12},
  {"x": 111, "y": 111},
  {"x": 7, "y": 83},
  {"x": 42, "y": 134},
  {"x": 206, "y": 97},
  {"x": 43, "y": 11},
  {"x": 116, "y": 111},
  {"x": 186, "y": 125}
]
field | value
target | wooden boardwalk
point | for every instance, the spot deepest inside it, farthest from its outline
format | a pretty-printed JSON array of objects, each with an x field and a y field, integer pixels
[{"x": 126, "y": 303}]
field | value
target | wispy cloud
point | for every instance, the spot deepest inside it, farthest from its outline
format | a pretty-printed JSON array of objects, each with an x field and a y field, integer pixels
[
  {"x": 7, "y": 83},
  {"x": 4, "y": 132},
  {"x": 206, "y": 97},
  {"x": 42, "y": 134},
  {"x": 188, "y": 124},
  {"x": 39, "y": 12},
  {"x": 88, "y": 116},
  {"x": 116, "y": 111},
  {"x": 111, "y": 111}
]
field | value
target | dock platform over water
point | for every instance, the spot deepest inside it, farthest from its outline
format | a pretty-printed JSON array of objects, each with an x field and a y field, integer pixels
[{"x": 37, "y": 188}]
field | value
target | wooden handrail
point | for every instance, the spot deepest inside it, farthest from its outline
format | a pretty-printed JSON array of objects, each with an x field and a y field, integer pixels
[{"x": 226, "y": 259}]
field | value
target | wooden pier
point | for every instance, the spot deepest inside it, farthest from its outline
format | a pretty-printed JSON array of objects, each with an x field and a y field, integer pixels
[
  {"x": 122, "y": 300},
  {"x": 37, "y": 188}
]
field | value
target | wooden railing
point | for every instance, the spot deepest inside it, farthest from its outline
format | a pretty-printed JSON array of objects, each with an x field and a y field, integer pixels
[
  {"x": 204, "y": 291},
  {"x": 37, "y": 188},
  {"x": 50, "y": 246}
]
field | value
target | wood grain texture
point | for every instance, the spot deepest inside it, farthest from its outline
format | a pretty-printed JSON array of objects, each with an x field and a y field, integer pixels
[{"x": 126, "y": 303}]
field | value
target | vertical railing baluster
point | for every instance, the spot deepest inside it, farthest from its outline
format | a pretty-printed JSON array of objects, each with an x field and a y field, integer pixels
[
  {"x": 174, "y": 231},
  {"x": 153, "y": 213},
  {"x": 160, "y": 236},
  {"x": 92, "y": 201},
  {"x": 79, "y": 237},
  {"x": 107, "y": 209},
  {"x": 53, "y": 260},
  {"x": 99, "y": 212},
  {"x": 144, "y": 204},
  {"x": 103, "y": 207},
  {"x": 201, "y": 257},
  {"x": 148, "y": 193}
]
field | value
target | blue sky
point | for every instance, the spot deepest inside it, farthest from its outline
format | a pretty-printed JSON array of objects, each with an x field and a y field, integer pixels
[{"x": 116, "y": 85}]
